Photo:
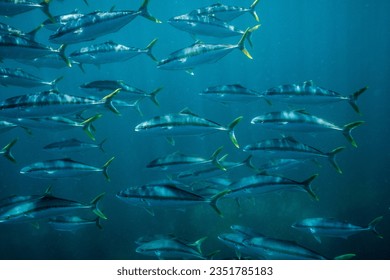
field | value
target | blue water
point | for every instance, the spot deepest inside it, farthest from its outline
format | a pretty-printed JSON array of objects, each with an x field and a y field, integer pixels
[{"x": 340, "y": 45}]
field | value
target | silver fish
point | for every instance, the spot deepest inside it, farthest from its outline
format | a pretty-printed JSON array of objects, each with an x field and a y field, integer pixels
[
  {"x": 290, "y": 148},
  {"x": 46, "y": 206},
  {"x": 260, "y": 184},
  {"x": 206, "y": 25},
  {"x": 301, "y": 121},
  {"x": 18, "y": 77},
  {"x": 166, "y": 194},
  {"x": 308, "y": 93},
  {"x": 6, "y": 29},
  {"x": 96, "y": 24},
  {"x": 108, "y": 86},
  {"x": 51, "y": 103},
  {"x": 331, "y": 227},
  {"x": 186, "y": 123},
  {"x": 200, "y": 53},
  {"x": 16, "y": 7},
  {"x": 72, "y": 145},
  {"x": 230, "y": 93},
  {"x": 177, "y": 162},
  {"x": 172, "y": 248},
  {"x": 73, "y": 223},
  {"x": 59, "y": 123},
  {"x": 279, "y": 249},
  {"x": 225, "y": 12},
  {"x": 109, "y": 52},
  {"x": 63, "y": 168},
  {"x": 25, "y": 48}
]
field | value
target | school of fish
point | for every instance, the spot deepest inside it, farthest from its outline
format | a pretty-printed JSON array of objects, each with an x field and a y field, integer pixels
[{"x": 187, "y": 180}]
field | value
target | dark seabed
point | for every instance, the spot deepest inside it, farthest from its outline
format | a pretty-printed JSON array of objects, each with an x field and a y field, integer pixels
[{"x": 340, "y": 45}]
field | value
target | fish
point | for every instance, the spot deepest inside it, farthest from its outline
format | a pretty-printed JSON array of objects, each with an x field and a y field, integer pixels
[
  {"x": 72, "y": 145},
  {"x": 24, "y": 48},
  {"x": 214, "y": 170},
  {"x": 59, "y": 123},
  {"x": 131, "y": 92},
  {"x": 93, "y": 25},
  {"x": 51, "y": 103},
  {"x": 235, "y": 241},
  {"x": 15, "y": 7},
  {"x": 12, "y": 201},
  {"x": 52, "y": 61},
  {"x": 201, "y": 53},
  {"x": 6, "y": 29},
  {"x": 20, "y": 78},
  {"x": 173, "y": 248},
  {"x": 308, "y": 93},
  {"x": 60, "y": 20},
  {"x": 225, "y": 12},
  {"x": 290, "y": 148},
  {"x": 279, "y": 249},
  {"x": 73, "y": 223},
  {"x": 63, "y": 168},
  {"x": 260, "y": 184},
  {"x": 257, "y": 244},
  {"x": 166, "y": 194},
  {"x": 6, "y": 150},
  {"x": 230, "y": 93},
  {"x": 301, "y": 121},
  {"x": 332, "y": 227},
  {"x": 109, "y": 52},
  {"x": 206, "y": 25},
  {"x": 47, "y": 206},
  {"x": 186, "y": 123},
  {"x": 178, "y": 162}
]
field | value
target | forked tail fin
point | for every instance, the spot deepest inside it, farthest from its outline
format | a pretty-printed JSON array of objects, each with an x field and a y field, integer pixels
[
  {"x": 347, "y": 131},
  {"x": 145, "y": 13},
  {"x": 353, "y": 98}
]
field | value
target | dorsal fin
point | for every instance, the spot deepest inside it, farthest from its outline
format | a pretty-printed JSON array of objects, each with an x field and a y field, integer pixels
[
  {"x": 308, "y": 83},
  {"x": 238, "y": 85},
  {"x": 187, "y": 111},
  {"x": 302, "y": 111},
  {"x": 290, "y": 138}
]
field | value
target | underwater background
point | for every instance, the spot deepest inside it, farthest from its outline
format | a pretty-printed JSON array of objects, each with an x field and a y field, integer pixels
[{"x": 340, "y": 45}]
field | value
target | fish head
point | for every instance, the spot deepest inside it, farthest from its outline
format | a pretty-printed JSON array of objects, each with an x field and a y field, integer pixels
[
  {"x": 232, "y": 239},
  {"x": 142, "y": 127}
]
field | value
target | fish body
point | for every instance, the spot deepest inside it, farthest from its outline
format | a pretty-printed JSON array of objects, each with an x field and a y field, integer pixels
[
  {"x": 301, "y": 121},
  {"x": 62, "y": 168},
  {"x": 49, "y": 103},
  {"x": 131, "y": 92},
  {"x": 278, "y": 249},
  {"x": 261, "y": 184},
  {"x": 230, "y": 93},
  {"x": 93, "y": 25},
  {"x": 308, "y": 93},
  {"x": 225, "y": 12},
  {"x": 6, "y": 29},
  {"x": 44, "y": 207},
  {"x": 204, "y": 25},
  {"x": 170, "y": 248},
  {"x": 290, "y": 148},
  {"x": 236, "y": 241},
  {"x": 185, "y": 123},
  {"x": 73, "y": 223},
  {"x": 72, "y": 145},
  {"x": 178, "y": 162},
  {"x": 165, "y": 194},
  {"x": 18, "y": 77},
  {"x": 201, "y": 53},
  {"x": 51, "y": 61},
  {"x": 331, "y": 227},
  {"x": 25, "y": 48},
  {"x": 108, "y": 52},
  {"x": 60, "y": 20},
  {"x": 14, "y": 7}
]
